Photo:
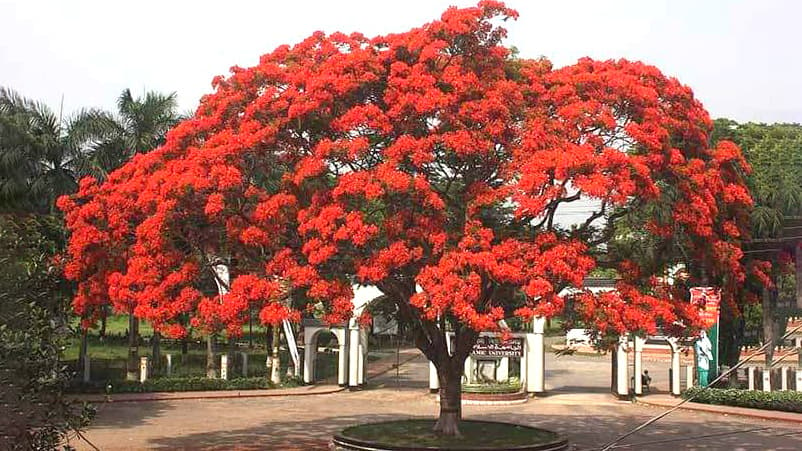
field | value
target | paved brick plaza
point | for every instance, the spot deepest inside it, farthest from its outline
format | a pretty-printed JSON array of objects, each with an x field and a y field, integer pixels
[{"x": 589, "y": 418}]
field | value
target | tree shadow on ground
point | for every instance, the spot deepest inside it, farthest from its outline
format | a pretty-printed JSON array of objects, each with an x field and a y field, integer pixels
[
  {"x": 563, "y": 389},
  {"x": 585, "y": 432},
  {"x": 592, "y": 432},
  {"x": 402, "y": 382},
  {"x": 283, "y": 435},
  {"x": 121, "y": 415}
]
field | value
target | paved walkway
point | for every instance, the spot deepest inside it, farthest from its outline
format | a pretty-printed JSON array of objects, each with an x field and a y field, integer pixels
[{"x": 588, "y": 418}]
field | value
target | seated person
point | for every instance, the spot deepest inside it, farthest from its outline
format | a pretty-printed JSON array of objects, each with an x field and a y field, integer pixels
[{"x": 645, "y": 380}]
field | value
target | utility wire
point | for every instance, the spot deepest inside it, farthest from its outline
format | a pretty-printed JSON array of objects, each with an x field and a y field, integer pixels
[
  {"x": 649, "y": 422},
  {"x": 695, "y": 437}
]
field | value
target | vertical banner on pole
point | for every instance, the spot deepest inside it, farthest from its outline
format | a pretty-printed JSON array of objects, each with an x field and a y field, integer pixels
[{"x": 709, "y": 299}]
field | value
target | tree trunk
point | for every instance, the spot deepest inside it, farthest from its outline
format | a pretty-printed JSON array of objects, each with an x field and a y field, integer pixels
[
  {"x": 798, "y": 265},
  {"x": 103, "y": 317},
  {"x": 613, "y": 371},
  {"x": 156, "y": 354},
  {"x": 268, "y": 347},
  {"x": 230, "y": 356},
  {"x": 82, "y": 354},
  {"x": 250, "y": 328},
  {"x": 768, "y": 325},
  {"x": 730, "y": 335},
  {"x": 450, "y": 399},
  {"x": 275, "y": 362},
  {"x": 211, "y": 368},
  {"x": 132, "y": 371}
]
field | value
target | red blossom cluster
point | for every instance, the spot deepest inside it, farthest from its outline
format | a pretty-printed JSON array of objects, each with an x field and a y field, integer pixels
[{"x": 430, "y": 163}]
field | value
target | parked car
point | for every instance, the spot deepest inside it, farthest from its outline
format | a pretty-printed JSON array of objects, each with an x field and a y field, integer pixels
[{"x": 577, "y": 336}]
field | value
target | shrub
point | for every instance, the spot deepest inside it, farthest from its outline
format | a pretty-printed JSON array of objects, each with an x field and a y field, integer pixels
[
  {"x": 492, "y": 387},
  {"x": 787, "y": 401},
  {"x": 176, "y": 384},
  {"x": 34, "y": 306}
]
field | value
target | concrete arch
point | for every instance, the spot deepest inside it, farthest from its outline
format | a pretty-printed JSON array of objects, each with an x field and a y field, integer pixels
[
  {"x": 352, "y": 341},
  {"x": 312, "y": 330}
]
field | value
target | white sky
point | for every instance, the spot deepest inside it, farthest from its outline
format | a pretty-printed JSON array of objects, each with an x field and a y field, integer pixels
[{"x": 740, "y": 57}]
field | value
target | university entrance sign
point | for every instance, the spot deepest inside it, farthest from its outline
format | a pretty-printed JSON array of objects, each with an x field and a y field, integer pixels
[{"x": 496, "y": 347}]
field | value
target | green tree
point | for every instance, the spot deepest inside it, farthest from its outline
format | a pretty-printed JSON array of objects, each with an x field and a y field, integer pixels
[
  {"x": 41, "y": 155},
  {"x": 775, "y": 153},
  {"x": 34, "y": 312},
  {"x": 139, "y": 125}
]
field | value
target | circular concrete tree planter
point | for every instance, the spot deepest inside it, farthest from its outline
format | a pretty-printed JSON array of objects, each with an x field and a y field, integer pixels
[{"x": 417, "y": 434}]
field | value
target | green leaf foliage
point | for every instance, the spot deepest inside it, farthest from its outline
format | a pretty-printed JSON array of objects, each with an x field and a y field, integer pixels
[
  {"x": 786, "y": 401},
  {"x": 775, "y": 153},
  {"x": 33, "y": 328}
]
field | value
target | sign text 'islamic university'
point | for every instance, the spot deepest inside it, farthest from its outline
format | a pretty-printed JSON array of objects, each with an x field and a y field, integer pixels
[{"x": 496, "y": 347}]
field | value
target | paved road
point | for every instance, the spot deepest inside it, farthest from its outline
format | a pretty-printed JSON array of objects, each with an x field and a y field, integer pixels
[
  {"x": 564, "y": 374},
  {"x": 588, "y": 416}
]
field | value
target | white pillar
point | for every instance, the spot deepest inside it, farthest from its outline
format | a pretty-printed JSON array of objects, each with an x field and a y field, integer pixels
[
  {"x": 751, "y": 377},
  {"x": 639, "y": 343},
  {"x": 503, "y": 371},
  {"x": 766, "y": 379},
  {"x": 675, "y": 367},
  {"x": 224, "y": 366},
  {"x": 87, "y": 372},
  {"x": 310, "y": 352},
  {"x": 622, "y": 368},
  {"x": 434, "y": 382},
  {"x": 536, "y": 357},
  {"x": 689, "y": 376},
  {"x": 522, "y": 365},
  {"x": 169, "y": 365},
  {"x": 353, "y": 357},
  {"x": 784, "y": 378},
  {"x": 342, "y": 361},
  {"x": 361, "y": 367},
  {"x": 143, "y": 369},
  {"x": 467, "y": 369},
  {"x": 798, "y": 378},
  {"x": 365, "y": 336}
]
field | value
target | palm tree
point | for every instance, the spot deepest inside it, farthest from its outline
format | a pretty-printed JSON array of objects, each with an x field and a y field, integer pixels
[
  {"x": 140, "y": 125},
  {"x": 43, "y": 156},
  {"x": 40, "y": 154}
]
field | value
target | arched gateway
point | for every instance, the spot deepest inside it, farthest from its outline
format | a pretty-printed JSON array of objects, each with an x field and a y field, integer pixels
[{"x": 352, "y": 341}]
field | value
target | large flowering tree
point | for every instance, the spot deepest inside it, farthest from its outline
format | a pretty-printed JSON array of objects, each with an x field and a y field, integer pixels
[{"x": 432, "y": 164}]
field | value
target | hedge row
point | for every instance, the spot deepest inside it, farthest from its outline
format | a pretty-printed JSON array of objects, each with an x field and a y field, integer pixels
[
  {"x": 176, "y": 384},
  {"x": 787, "y": 401},
  {"x": 492, "y": 388}
]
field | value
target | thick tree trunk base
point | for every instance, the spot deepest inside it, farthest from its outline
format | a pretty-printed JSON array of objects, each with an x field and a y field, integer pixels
[
  {"x": 450, "y": 401},
  {"x": 448, "y": 424}
]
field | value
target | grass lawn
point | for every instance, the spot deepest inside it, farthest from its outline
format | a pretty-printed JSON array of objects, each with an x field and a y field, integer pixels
[{"x": 475, "y": 434}]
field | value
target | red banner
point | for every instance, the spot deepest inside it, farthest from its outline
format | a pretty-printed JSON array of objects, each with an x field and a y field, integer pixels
[{"x": 710, "y": 301}]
